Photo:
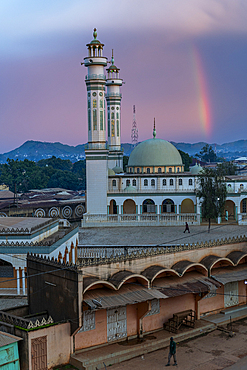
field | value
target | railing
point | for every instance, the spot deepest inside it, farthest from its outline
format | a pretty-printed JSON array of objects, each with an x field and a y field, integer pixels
[
  {"x": 24, "y": 323},
  {"x": 151, "y": 190},
  {"x": 141, "y": 219},
  {"x": 113, "y": 94},
  {"x": 95, "y": 77}
]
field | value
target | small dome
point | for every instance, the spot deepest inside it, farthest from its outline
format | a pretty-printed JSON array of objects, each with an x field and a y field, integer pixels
[
  {"x": 195, "y": 170},
  {"x": 130, "y": 189},
  {"x": 117, "y": 169},
  {"x": 111, "y": 172},
  {"x": 155, "y": 152}
]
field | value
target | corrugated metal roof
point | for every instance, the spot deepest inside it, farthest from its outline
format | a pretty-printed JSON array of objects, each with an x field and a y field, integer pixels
[
  {"x": 192, "y": 283},
  {"x": 228, "y": 274},
  {"x": 129, "y": 294},
  {"x": 6, "y": 339}
]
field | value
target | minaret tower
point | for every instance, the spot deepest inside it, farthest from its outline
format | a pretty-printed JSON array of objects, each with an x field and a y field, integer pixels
[
  {"x": 113, "y": 98},
  {"x": 96, "y": 152}
]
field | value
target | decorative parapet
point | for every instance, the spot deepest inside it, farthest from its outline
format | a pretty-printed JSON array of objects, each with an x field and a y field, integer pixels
[
  {"x": 26, "y": 231},
  {"x": 51, "y": 262},
  {"x": 89, "y": 256},
  {"x": 24, "y": 323}
]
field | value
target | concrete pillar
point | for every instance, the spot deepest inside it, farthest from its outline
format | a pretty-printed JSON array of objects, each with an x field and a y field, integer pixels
[
  {"x": 23, "y": 281},
  {"x": 73, "y": 255},
  {"x": 67, "y": 257},
  {"x": 18, "y": 280}
]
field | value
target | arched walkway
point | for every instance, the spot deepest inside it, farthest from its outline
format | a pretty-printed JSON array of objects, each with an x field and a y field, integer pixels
[
  {"x": 148, "y": 206},
  {"x": 187, "y": 206},
  {"x": 129, "y": 206},
  {"x": 6, "y": 269},
  {"x": 113, "y": 207},
  {"x": 229, "y": 211},
  {"x": 168, "y": 206}
]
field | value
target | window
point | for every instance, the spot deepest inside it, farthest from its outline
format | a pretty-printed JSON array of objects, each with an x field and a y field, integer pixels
[
  {"x": 244, "y": 206},
  {"x": 112, "y": 115},
  {"x": 89, "y": 104},
  {"x": 109, "y": 125},
  {"x": 164, "y": 182},
  {"x": 138, "y": 170},
  {"x": 94, "y": 103},
  {"x": 112, "y": 128},
  {"x": 114, "y": 183},
  {"x": 171, "y": 182},
  {"x": 130, "y": 169},
  {"x": 117, "y": 127},
  {"x": 94, "y": 119},
  {"x": 180, "y": 182},
  {"x": 127, "y": 182},
  {"x": 117, "y": 115},
  {"x": 101, "y": 120},
  {"x": 190, "y": 182},
  {"x": 159, "y": 170},
  {"x": 101, "y": 103},
  {"x": 148, "y": 170},
  {"x": 89, "y": 120},
  {"x": 134, "y": 182},
  {"x": 152, "y": 182},
  {"x": 145, "y": 182},
  {"x": 170, "y": 169},
  {"x": 178, "y": 169}
]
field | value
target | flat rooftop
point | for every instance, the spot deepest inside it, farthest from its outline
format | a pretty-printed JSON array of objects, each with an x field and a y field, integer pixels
[
  {"x": 23, "y": 223},
  {"x": 152, "y": 236}
]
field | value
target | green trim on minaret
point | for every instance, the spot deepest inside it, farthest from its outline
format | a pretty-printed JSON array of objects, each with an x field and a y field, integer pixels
[
  {"x": 112, "y": 58},
  {"x": 154, "y": 131}
]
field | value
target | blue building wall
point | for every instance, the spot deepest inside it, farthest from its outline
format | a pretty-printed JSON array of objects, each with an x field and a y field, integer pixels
[{"x": 9, "y": 357}]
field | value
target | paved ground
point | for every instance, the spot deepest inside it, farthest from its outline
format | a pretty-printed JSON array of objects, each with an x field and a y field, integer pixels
[
  {"x": 213, "y": 351},
  {"x": 6, "y": 303},
  {"x": 167, "y": 235}
]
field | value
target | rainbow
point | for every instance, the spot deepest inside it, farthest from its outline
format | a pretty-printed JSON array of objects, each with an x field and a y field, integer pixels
[{"x": 202, "y": 91}]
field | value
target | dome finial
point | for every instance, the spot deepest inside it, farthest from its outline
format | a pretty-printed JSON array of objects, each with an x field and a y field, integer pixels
[
  {"x": 95, "y": 33},
  {"x": 154, "y": 130},
  {"x": 112, "y": 58}
]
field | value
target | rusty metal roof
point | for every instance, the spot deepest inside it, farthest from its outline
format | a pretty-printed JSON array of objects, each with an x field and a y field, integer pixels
[
  {"x": 128, "y": 294},
  {"x": 230, "y": 274},
  {"x": 6, "y": 339},
  {"x": 192, "y": 283}
]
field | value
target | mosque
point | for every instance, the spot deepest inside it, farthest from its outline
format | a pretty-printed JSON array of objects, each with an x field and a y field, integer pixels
[{"x": 155, "y": 189}]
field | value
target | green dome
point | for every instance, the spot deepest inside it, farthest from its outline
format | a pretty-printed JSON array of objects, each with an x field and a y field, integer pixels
[
  {"x": 111, "y": 172},
  {"x": 155, "y": 152},
  {"x": 195, "y": 170},
  {"x": 118, "y": 169},
  {"x": 130, "y": 189}
]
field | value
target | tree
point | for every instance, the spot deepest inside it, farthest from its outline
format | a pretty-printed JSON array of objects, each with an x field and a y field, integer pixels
[
  {"x": 207, "y": 154},
  {"x": 186, "y": 159},
  {"x": 226, "y": 168},
  {"x": 125, "y": 162},
  {"x": 212, "y": 193}
]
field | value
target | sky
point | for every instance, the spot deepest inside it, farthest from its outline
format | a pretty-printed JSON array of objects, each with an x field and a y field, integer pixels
[{"x": 183, "y": 62}]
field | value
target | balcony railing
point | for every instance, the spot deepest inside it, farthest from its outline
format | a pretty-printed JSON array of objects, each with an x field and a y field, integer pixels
[
  {"x": 140, "y": 219},
  {"x": 95, "y": 77},
  {"x": 113, "y": 94}
]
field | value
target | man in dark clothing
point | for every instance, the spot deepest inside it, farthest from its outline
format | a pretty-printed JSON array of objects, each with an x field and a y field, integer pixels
[
  {"x": 172, "y": 352},
  {"x": 187, "y": 227}
]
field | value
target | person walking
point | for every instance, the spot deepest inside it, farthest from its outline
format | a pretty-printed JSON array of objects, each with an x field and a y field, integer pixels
[
  {"x": 187, "y": 227},
  {"x": 172, "y": 352}
]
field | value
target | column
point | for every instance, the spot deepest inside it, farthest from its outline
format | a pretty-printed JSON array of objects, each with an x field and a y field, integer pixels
[
  {"x": 73, "y": 255},
  {"x": 67, "y": 257},
  {"x": 23, "y": 281},
  {"x": 18, "y": 280}
]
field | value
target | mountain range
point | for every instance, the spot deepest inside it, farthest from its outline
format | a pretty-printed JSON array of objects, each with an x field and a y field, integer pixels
[{"x": 36, "y": 150}]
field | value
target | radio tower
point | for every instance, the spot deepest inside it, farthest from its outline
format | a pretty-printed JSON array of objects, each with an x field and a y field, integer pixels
[{"x": 134, "y": 131}]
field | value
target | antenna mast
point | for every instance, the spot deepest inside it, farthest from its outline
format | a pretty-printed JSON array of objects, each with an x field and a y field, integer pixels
[{"x": 134, "y": 131}]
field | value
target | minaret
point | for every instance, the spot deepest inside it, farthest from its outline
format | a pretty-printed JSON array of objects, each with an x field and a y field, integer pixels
[
  {"x": 96, "y": 152},
  {"x": 113, "y": 98}
]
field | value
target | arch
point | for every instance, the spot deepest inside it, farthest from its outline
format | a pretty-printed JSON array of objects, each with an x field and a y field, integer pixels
[
  {"x": 184, "y": 266},
  {"x": 145, "y": 182},
  {"x": 237, "y": 256},
  {"x": 134, "y": 182},
  {"x": 152, "y": 182},
  {"x": 187, "y": 206},
  {"x": 113, "y": 207},
  {"x": 123, "y": 277},
  {"x": 212, "y": 261},
  {"x": 148, "y": 170},
  {"x": 190, "y": 182},
  {"x": 164, "y": 182},
  {"x": 168, "y": 206},
  {"x": 156, "y": 271},
  {"x": 94, "y": 283},
  {"x": 114, "y": 182},
  {"x": 171, "y": 182},
  {"x": 229, "y": 210},
  {"x": 243, "y": 205},
  {"x": 129, "y": 206},
  {"x": 180, "y": 182},
  {"x": 148, "y": 206}
]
